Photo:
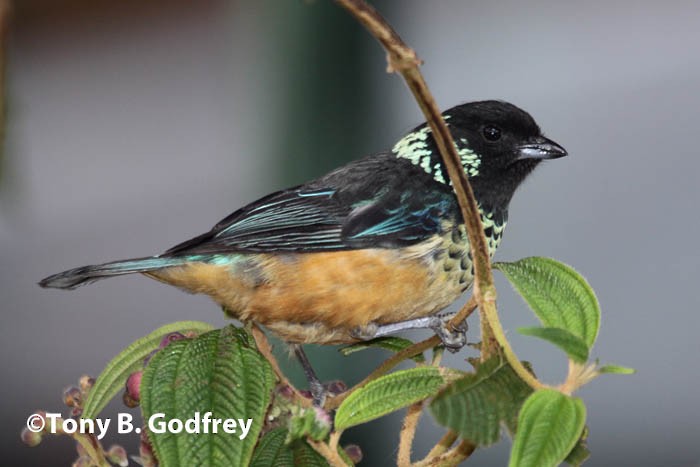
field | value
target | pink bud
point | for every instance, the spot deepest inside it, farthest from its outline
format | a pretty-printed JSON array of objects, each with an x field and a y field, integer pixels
[
  {"x": 132, "y": 395},
  {"x": 172, "y": 337},
  {"x": 354, "y": 452},
  {"x": 72, "y": 396}
]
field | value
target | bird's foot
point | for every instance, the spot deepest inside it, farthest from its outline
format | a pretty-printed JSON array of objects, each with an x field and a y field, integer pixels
[
  {"x": 366, "y": 333},
  {"x": 452, "y": 338}
]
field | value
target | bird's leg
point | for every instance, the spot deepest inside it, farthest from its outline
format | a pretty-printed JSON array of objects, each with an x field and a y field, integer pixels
[
  {"x": 318, "y": 391},
  {"x": 453, "y": 340}
]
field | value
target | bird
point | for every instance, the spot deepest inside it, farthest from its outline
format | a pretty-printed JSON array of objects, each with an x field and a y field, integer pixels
[{"x": 376, "y": 244}]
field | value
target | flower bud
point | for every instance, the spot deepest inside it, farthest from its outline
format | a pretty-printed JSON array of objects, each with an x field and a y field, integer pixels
[
  {"x": 354, "y": 452},
  {"x": 72, "y": 396},
  {"x": 133, "y": 385},
  {"x": 336, "y": 387},
  {"x": 285, "y": 391},
  {"x": 86, "y": 383},
  {"x": 172, "y": 337},
  {"x": 30, "y": 438},
  {"x": 117, "y": 455},
  {"x": 148, "y": 459}
]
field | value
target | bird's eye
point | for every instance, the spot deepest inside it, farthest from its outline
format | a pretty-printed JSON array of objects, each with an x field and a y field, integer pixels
[{"x": 492, "y": 133}]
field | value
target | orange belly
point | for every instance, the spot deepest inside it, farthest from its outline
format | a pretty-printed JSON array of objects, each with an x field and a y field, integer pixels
[{"x": 323, "y": 297}]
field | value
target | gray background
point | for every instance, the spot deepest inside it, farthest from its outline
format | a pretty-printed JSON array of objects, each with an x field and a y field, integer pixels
[{"x": 134, "y": 126}]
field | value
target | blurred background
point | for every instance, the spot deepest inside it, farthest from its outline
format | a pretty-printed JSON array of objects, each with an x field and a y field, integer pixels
[{"x": 132, "y": 125}]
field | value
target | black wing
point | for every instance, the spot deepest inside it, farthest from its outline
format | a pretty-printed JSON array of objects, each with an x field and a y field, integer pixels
[{"x": 378, "y": 201}]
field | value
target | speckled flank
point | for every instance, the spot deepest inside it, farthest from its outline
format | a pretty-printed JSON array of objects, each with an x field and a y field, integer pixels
[
  {"x": 455, "y": 256},
  {"x": 333, "y": 293},
  {"x": 336, "y": 291},
  {"x": 493, "y": 230}
]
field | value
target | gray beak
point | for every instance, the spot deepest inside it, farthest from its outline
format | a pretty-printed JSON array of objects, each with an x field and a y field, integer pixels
[{"x": 540, "y": 148}]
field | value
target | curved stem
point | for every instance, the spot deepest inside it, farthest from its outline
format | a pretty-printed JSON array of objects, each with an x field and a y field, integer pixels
[
  {"x": 329, "y": 454},
  {"x": 335, "y": 401},
  {"x": 489, "y": 310},
  {"x": 404, "y": 60},
  {"x": 265, "y": 349},
  {"x": 442, "y": 446},
  {"x": 452, "y": 457},
  {"x": 408, "y": 433}
]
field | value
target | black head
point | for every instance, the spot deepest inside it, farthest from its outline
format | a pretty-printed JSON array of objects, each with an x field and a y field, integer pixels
[
  {"x": 500, "y": 145},
  {"x": 505, "y": 138}
]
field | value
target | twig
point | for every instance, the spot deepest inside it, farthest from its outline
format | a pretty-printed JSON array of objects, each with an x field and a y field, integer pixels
[
  {"x": 266, "y": 350},
  {"x": 463, "y": 313},
  {"x": 92, "y": 448},
  {"x": 329, "y": 454},
  {"x": 452, "y": 457},
  {"x": 334, "y": 402},
  {"x": 408, "y": 433},
  {"x": 442, "y": 446},
  {"x": 404, "y": 60}
]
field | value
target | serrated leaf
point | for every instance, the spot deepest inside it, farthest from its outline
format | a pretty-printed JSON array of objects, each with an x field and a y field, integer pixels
[
  {"x": 559, "y": 296},
  {"x": 574, "y": 347},
  {"x": 616, "y": 369},
  {"x": 112, "y": 379},
  {"x": 220, "y": 372},
  {"x": 272, "y": 451},
  {"x": 549, "y": 425},
  {"x": 394, "y": 344},
  {"x": 477, "y": 405},
  {"x": 389, "y": 393}
]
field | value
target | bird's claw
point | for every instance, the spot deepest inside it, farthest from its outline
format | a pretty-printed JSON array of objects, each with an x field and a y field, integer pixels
[{"x": 453, "y": 339}]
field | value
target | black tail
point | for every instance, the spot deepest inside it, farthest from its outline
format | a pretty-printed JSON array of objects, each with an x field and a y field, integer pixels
[{"x": 85, "y": 275}]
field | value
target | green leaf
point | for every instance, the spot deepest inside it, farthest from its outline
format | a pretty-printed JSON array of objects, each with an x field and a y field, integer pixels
[
  {"x": 549, "y": 426},
  {"x": 220, "y": 372},
  {"x": 559, "y": 296},
  {"x": 477, "y": 405},
  {"x": 574, "y": 347},
  {"x": 394, "y": 344},
  {"x": 272, "y": 451},
  {"x": 389, "y": 393},
  {"x": 616, "y": 369},
  {"x": 580, "y": 453},
  {"x": 129, "y": 360}
]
